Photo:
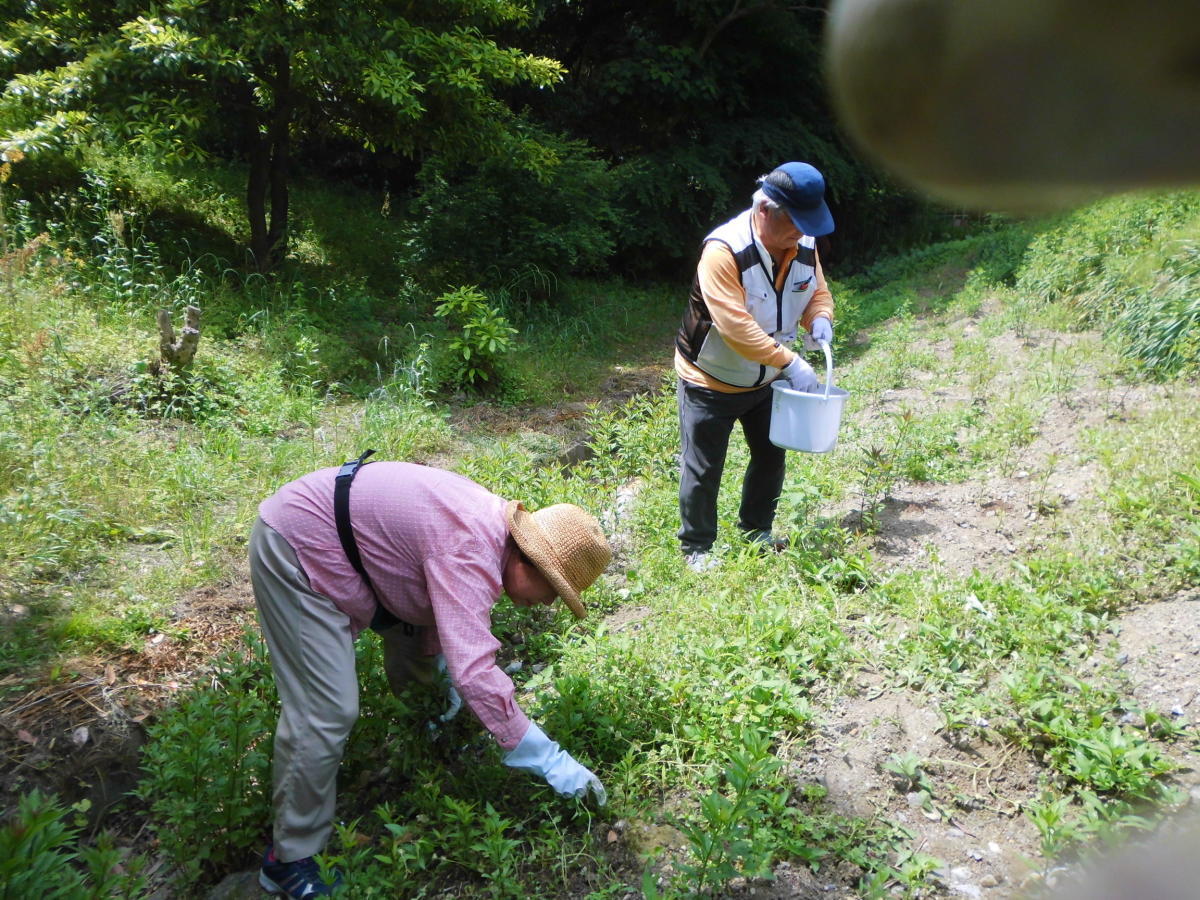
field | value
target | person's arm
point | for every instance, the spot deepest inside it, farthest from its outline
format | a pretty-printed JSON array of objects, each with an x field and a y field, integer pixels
[
  {"x": 462, "y": 589},
  {"x": 821, "y": 303},
  {"x": 539, "y": 755},
  {"x": 721, "y": 286}
]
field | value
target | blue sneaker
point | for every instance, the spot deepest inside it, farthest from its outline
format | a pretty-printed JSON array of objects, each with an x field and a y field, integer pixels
[{"x": 297, "y": 880}]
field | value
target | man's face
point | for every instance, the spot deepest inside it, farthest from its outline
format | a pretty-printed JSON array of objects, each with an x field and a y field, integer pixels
[
  {"x": 524, "y": 582},
  {"x": 776, "y": 230}
]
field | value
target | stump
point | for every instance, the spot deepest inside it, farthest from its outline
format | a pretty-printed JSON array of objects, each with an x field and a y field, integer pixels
[{"x": 178, "y": 354}]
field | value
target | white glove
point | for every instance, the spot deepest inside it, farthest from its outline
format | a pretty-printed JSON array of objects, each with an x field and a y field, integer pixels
[
  {"x": 541, "y": 756},
  {"x": 451, "y": 692},
  {"x": 800, "y": 376},
  {"x": 822, "y": 330}
]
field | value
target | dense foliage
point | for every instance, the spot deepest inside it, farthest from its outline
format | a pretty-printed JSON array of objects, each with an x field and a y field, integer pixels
[
  {"x": 262, "y": 82},
  {"x": 558, "y": 135}
]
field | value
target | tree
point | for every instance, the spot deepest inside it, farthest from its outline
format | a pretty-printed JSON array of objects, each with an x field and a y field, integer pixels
[
  {"x": 185, "y": 78},
  {"x": 689, "y": 101}
]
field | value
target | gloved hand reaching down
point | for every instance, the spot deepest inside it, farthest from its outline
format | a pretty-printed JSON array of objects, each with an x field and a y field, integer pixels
[{"x": 541, "y": 756}]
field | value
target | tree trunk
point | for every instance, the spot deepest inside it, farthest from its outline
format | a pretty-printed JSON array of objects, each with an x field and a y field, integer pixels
[
  {"x": 279, "y": 136},
  {"x": 267, "y": 184}
]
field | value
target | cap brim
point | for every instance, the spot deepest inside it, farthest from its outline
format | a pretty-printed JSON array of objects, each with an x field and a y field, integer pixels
[
  {"x": 533, "y": 544},
  {"x": 814, "y": 222}
]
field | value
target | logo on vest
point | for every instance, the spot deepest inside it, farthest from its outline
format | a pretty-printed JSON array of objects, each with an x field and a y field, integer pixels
[{"x": 801, "y": 285}]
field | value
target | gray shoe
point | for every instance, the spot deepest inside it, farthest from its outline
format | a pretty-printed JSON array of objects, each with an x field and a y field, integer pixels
[
  {"x": 700, "y": 561},
  {"x": 767, "y": 540}
]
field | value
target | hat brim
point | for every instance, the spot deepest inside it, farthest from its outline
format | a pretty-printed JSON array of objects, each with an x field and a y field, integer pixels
[
  {"x": 533, "y": 544},
  {"x": 815, "y": 222}
]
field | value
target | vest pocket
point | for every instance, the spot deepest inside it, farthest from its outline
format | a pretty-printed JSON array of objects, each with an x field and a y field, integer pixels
[{"x": 758, "y": 302}]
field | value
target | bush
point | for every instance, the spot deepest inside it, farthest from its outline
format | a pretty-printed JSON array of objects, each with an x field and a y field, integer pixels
[
  {"x": 556, "y": 214},
  {"x": 207, "y": 767},
  {"x": 483, "y": 336}
]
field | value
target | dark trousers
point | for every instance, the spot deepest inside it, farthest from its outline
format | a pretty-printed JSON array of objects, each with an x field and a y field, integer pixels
[{"x": 705, "y": 421}]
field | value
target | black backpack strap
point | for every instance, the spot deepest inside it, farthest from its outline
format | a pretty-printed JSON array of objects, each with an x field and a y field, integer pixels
[{"x": 341, "y": 515}]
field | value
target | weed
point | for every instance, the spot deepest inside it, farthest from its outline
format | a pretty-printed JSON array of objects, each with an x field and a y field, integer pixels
[
  {"x": 876, "y": 471},
  {"x": 909, "y": 773},
  {"x": 914, "y": 867},
  {"x": 206, "y": 766},
  {"x": 41, "y": 855},
  {"x": 729, "y": 840}
]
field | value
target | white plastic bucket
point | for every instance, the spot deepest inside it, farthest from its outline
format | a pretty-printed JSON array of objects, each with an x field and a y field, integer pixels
[{"x": 807, "y": 422}]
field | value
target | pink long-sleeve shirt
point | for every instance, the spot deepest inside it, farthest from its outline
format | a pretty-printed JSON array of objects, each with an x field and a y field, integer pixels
[{"x": 434, "y": 545}]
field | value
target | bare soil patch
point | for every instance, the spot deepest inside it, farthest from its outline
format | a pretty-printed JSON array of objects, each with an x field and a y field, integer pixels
[
  {"x": 1015, "y": 505},
  {"x": 78, "y": 735}
]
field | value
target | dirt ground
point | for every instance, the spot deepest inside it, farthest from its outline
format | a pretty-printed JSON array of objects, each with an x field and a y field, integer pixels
[{"x": 79, "y": 734}]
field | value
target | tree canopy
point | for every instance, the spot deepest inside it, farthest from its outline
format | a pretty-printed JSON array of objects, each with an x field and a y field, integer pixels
[
  {"x": 571, "y": 133},
  {"x": 188, "y": 79}
]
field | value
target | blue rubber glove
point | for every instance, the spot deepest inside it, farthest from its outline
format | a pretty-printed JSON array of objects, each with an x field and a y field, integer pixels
[
  {"x": 822, "y": 330},
  {"x": 800, "y": 376},
  {"x": 541, "y": 756}
]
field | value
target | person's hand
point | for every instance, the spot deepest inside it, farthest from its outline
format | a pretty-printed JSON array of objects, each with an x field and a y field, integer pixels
[
  {"x": 541, "y": 756},
  {"x": 800, "y": 376},
  {"x": 453, "y": 699},
  {"x": 822, "y": 330}
]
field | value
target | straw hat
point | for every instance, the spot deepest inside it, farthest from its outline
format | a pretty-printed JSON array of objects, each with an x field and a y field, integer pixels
[{"x": 565, "y": 543}]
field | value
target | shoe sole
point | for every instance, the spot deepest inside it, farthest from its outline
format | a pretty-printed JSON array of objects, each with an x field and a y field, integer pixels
[{"x": 268, "y": 885}]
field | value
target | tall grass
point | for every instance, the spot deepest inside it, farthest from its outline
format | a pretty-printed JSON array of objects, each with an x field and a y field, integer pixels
[{"x": 1131, "y": 265}]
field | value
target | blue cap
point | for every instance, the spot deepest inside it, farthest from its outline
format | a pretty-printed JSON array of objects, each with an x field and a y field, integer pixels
[{"x": 800, "y": 189}]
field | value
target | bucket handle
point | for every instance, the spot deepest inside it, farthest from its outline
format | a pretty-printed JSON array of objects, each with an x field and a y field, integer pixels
[{"x": 828, "y": 367}]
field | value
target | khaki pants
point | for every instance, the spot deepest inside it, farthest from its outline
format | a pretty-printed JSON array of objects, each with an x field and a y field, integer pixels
[
  {"x": 312, "y": 658},
  {"x": 404, "y": 658}
]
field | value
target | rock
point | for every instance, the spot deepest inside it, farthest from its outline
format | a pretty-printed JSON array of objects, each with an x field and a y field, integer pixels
[{"x": 239, "y": 886}]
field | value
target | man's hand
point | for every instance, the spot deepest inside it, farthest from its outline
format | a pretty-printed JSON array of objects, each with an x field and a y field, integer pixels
[
  {"x": 800, "y": 376},
  {"x": 538, "y": 754},
  {"x": 822, "y": 330},
  {"x": 454, "y": 701}
]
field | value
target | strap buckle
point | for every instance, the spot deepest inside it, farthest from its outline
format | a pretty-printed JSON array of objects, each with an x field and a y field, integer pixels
[{"x": 350, "y": 467}]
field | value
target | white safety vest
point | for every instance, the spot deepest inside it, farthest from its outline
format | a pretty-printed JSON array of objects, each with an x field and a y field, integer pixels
[{"x": 777, "y": 312}]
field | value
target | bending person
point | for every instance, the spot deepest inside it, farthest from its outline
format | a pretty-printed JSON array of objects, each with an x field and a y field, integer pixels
[{"x": 437, "y": 550}]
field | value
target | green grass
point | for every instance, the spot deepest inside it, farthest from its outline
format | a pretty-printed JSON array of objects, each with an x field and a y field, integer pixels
[{"x": 118, "y": 495}]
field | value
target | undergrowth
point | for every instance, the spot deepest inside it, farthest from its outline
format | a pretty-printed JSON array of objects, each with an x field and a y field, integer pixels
[{"x": 119, "y": 493}]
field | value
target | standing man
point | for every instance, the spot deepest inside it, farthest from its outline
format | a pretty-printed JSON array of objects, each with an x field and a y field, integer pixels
[
  {"x": 757, "y": 281},
  {"x": 435, "y": 550}
]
